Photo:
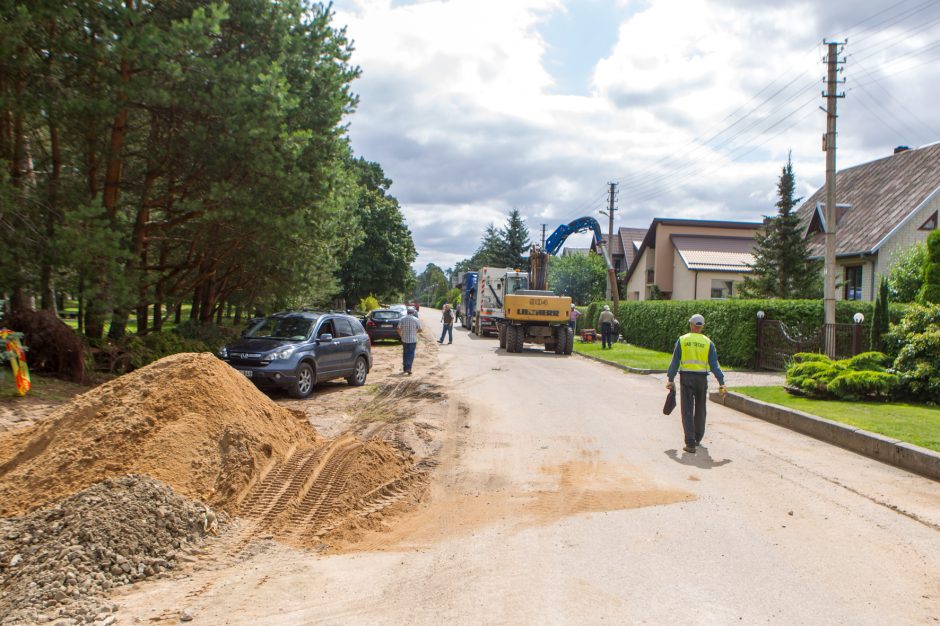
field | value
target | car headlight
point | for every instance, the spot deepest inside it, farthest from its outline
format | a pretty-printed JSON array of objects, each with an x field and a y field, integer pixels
[
  {"x": 283, "y": 353},
  {"x": 223, "y": 352}
]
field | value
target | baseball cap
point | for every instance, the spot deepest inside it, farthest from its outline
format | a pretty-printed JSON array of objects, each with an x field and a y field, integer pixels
[
  {"x": 697, "y": 320},
  {"x": 411, "y": 310},
  {"x": 606, "y": 308}
]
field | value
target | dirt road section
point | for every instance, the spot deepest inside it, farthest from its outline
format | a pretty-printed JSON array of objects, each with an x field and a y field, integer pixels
[{"x": 562, "y": 496}]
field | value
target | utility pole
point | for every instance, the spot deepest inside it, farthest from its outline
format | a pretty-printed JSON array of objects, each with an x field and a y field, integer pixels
[
  {"x": 543, "y": 236},
  {"x": 829, "y": 145},
  {"x": 613, "y": 293}
]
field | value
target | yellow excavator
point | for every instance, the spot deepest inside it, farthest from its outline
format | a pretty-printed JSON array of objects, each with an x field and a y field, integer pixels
[{"x": 524, "y": 309}]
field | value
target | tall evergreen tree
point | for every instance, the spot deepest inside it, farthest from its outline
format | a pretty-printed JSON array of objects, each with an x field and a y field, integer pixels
[
  {"x": 782, "y": 267},
  {"x": 880, "y": 319},
  {"x": 515, "y": 240}
]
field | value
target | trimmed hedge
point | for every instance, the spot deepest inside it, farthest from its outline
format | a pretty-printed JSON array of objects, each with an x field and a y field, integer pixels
[{"x": 731, "y": 324}]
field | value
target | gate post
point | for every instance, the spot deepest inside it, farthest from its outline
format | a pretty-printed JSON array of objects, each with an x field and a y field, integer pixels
[{"x": 760, "y": 338}]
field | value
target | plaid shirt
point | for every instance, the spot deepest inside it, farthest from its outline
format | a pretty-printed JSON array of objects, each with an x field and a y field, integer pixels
[{"x": 408, "y": 328}]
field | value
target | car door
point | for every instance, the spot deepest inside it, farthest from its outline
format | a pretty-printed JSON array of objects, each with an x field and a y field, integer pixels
[
  {"x": 328, "y": 350},
  {"x": 347, "y": 344}
]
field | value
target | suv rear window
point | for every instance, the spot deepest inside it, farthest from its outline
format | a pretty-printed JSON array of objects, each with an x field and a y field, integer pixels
[{"x": 385, "y": 315}]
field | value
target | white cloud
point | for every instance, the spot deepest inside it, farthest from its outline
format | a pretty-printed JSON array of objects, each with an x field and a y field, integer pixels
[{"x": 458, "y": 107}]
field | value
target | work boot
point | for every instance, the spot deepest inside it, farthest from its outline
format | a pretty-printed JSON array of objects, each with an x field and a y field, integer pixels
[{"x": 689, "y": 449}]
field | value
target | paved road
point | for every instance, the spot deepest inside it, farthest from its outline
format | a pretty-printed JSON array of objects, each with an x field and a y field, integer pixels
[{"x": 562, "y": 499}]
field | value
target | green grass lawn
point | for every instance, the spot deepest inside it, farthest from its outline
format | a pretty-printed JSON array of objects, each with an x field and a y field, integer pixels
[
  {"x": 626, "y": 354},
  {"x": 912, "y": 423}
]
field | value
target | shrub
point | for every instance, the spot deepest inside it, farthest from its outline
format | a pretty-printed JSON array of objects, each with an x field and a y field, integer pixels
[
  {"x": 930, "y": 291},
  {"x": 860, "y": 377},
  {"x": 871, "y": 361},
  {"x": 369, "y": 303},
  {"x": 731, "y": 324},
  {"x": 864, "y": 385},
  {"x": 917, "y": 362}
]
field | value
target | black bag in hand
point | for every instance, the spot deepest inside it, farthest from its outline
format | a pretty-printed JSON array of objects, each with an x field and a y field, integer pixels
[{"x": 670, "y": 402}]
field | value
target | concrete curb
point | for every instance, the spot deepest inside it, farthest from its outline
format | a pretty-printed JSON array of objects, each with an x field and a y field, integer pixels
[
  {"x": 626, "y": 368},
  {"x": 879, "y": 447}
]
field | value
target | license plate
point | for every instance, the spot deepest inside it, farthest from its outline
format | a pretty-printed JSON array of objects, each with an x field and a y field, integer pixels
[
  {"x": 247, "y": 373},
  {"x": 386, "y": 325}
]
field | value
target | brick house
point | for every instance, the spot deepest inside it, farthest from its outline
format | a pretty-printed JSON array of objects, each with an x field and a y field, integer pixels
[
  {"x": 691, "y": 259},
  {"x": 883, "y": 207}
]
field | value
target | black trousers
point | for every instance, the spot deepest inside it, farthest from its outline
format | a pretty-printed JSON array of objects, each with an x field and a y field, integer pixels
[
  {"x": 694, "y": 393},
  {"x": 606, "y": 327}
]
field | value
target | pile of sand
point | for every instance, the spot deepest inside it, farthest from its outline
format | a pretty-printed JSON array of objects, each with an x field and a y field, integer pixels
[{"x": 188, "y": 420}]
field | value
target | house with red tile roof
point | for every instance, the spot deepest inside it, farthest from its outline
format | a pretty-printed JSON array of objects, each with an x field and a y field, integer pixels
[{"x": 882, "y": 207}]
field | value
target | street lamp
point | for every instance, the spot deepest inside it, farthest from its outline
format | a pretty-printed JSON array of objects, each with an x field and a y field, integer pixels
[
  {"x": 760, "y": 315},
  {"x": 859, "y": 318}
]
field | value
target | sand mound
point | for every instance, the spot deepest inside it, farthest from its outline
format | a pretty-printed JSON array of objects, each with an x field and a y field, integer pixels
[{"x": 188, "y": 420}]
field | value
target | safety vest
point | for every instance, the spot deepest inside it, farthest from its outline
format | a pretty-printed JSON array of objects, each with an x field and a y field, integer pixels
[{"x": 695, "y": 348}]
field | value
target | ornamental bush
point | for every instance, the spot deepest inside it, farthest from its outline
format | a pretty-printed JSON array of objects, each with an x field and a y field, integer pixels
[
  {"x": 930, "y": 292},
  {"x": 918, "y": 361},
  {"x": 862, "y": 377}
]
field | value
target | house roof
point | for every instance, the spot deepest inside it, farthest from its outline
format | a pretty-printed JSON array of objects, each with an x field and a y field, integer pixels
[
  {"x": 715, "y": 253},
  {"x": 624, "y": 242},
  {"x": 649, "y": 239},
  {"x": 878, "y": 197}
]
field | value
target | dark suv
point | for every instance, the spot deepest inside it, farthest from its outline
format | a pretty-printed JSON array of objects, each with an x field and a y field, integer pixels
[{"x": 297, "y": 350}]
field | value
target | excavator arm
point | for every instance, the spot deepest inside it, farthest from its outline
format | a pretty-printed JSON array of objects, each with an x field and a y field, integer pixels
[{"x": 555, "y": 241}]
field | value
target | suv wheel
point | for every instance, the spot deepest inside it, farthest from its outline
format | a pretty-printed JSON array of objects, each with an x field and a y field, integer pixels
[
  {"x": 306, "y": 381},
  {"x": 360, "y": 371}
]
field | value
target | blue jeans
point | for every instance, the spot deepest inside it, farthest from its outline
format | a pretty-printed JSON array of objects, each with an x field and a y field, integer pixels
[
  {"x": 448, "y": 329},
  {"x": 408, "y": 355},
  {"x": 606, "y": 329}
]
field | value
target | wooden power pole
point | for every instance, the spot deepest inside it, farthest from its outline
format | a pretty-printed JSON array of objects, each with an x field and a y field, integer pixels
[
  {"x": 613, "y": 289},
  {"x": 829, "y": 143}
]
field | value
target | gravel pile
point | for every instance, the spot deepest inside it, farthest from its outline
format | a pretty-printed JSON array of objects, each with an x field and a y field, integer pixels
[{"x": 56, "y": 563}]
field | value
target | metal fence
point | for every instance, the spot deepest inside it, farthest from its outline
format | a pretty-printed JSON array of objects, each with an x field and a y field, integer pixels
[{"x": 776, "y": 343}]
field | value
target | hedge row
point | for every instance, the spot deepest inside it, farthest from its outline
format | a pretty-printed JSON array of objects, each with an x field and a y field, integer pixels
[{"x": 731, "y": 324}]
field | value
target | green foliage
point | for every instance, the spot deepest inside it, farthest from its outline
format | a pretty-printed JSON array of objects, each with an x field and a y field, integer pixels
[
  {"x": 860, "y": 377},
  {"x": 782, "y": 264},
  {"x": 880, "y": 322},
  {"x": 431, "y": 285},
  {"x": 930, "y": 291},
  {"x": 381, "y": 262},
  {"x": 907, "y": 273},
  {"x": 864, "y": 385},
  {"x": 369, "y": 303},
  {"x": 179, "y": 150},
  {"x": 731, "y": 324},
  {"x": 155, "y": 346},
  {"x": 452, "y": 297},
  {"x": 583, "y": 277},
  {"x": 918, "y": 364}
]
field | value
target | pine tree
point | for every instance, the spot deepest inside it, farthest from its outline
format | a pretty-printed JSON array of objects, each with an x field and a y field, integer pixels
[{"x": 782, "y": 267}]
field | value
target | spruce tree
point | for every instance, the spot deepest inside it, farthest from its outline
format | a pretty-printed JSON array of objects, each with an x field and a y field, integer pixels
[
  {"x": 515, "y": 240},
  {"x": 930, "y": 292},
  {"x": 782, "y": 267}
]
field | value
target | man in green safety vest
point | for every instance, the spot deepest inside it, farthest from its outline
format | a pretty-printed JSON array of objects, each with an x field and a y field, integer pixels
[{"x": 693, "y": 356}]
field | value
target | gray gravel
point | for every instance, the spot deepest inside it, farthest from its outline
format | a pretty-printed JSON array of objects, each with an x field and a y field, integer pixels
[{"x": 57, "y": 563}]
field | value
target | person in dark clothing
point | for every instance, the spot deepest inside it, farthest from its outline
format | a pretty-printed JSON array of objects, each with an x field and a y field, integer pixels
[
  {"x": 447, "y": 323},
  {"x": 606, "y": 319},
  {"x": 693, "y": 357}
]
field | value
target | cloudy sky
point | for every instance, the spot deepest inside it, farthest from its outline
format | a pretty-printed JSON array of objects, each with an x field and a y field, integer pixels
[{"x": 475, "y": 107}]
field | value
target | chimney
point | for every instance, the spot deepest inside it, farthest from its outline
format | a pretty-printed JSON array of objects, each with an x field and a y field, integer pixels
[{"x": 900, "y": 149}]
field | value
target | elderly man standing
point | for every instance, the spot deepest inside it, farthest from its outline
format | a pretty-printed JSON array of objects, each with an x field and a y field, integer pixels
[
  {"x": 408, "y": 328},
  {"x": 447, "y": 323},
  {"x": 607, "y": 319},
  {"x": 693, "y": 356}
]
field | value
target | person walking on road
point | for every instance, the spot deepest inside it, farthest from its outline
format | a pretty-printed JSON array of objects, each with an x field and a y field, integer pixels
[
  {"x": 573, "y": 318},
  {"x": 607, "y": 320},
  {"x": 408, "y": 328},
  {"x": 693, "y": 357},
  {"x": 447, "y": 319}
]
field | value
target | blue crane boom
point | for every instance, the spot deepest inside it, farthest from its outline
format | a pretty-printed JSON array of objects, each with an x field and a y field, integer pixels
[{"x": 557, "y": 239}]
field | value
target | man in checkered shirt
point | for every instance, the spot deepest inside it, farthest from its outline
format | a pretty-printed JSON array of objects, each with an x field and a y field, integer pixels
[{"x": 408, "y": 328}]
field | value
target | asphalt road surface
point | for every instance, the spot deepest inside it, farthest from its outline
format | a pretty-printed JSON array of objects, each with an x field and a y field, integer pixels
[{"x": 564, "y": 497}]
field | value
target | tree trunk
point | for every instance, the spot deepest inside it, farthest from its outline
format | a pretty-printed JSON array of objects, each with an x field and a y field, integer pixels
[
  {"x": 238, "y": 315},
  {"x": 197, "y": 301}
]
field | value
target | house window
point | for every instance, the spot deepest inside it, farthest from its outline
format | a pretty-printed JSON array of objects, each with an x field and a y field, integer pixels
[
  {"x": 649, "y": 277},
  {"x": 721, "y": 289},
  {"x": 853, "y": 282},
  {"x": 931, "y": 223}
]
